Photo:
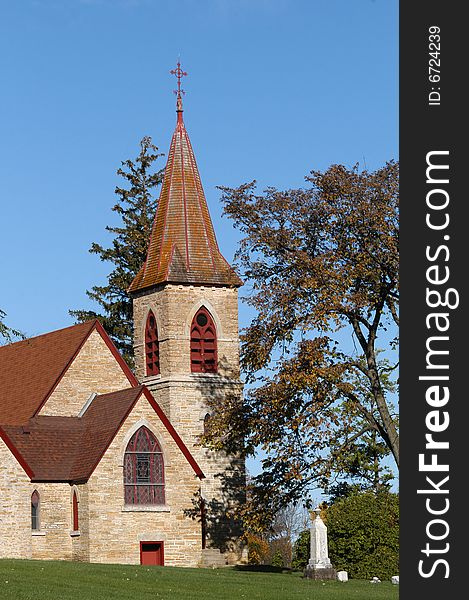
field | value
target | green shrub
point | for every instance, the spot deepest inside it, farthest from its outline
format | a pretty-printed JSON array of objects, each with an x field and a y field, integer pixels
[
  {"x": 363, "y": 535},
  {"x": 277, "y": 559}
]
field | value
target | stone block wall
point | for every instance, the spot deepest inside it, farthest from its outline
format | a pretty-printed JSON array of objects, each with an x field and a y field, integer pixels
[
  {"x": 15, "y": 507},
  {"x": 53, "y": 540},
  {"x": 117, "y": 530},
  {"x": 174, "y": 307},
  {"x": 186, "y": 397},
  {"x": 94, "y": 369}
]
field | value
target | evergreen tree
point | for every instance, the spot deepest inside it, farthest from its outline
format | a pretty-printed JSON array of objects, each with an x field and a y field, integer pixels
[
  {"x": 7, "y": 333},
  {"x": 136, "y": 206}
]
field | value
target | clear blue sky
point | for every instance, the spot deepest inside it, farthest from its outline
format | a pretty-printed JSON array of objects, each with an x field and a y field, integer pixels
[{"x": 275, "y": 89}]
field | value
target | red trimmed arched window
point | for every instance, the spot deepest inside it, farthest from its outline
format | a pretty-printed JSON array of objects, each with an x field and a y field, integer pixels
[
  {"x": 75, "y": 511},
  {"x": 152, "y": 350},
  {"x": 35, "y": 522},
  {"x": 203, "y": 343},
  {"x": 143, "y": 469}
]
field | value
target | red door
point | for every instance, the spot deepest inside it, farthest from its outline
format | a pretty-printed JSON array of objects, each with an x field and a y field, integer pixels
[{"x": 151, "y": 553}]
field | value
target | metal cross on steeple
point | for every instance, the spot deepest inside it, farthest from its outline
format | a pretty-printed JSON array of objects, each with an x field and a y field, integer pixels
[{"x": 179, "y": 74}]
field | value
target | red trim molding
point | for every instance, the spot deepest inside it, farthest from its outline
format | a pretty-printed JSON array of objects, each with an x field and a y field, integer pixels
[
  {"x": 115, "y": 352},
  {"x": 181, "y": 445},
  {"x": 27, "y": 469},
  {"x": 107, "y": 340}
]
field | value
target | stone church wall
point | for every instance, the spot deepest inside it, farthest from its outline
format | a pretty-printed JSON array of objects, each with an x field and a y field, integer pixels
[
  {"x": 118, "y": 529},
  {"x": 185, "y": 396},
  {"x": 52, "y": 541},
  {"x": 94, "y": 370},
  {"x": 174, "y": 307},
  {"x": 15, "y": 512}
]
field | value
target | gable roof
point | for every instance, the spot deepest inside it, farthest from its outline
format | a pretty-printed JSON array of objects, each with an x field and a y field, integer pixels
[
  {"x": 183, "y": 247},
  {"x": 69, "y": 448},
  {"x": 31, "y": 369}
]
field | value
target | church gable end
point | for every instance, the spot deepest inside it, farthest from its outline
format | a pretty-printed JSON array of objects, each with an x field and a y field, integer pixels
[
  {"x": 145, "y": 486},
  {"x": 94, "y": 370}
]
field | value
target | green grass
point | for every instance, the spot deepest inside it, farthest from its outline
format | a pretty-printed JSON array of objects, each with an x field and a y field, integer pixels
[{"x": 56, "y": 580}]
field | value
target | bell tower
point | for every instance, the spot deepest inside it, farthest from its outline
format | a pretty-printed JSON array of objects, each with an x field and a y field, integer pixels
[{"x": 186, "y": 341}]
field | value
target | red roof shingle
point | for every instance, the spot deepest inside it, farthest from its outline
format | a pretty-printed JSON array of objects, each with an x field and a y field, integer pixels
[
  {"x": 69, "y": 448},
  {"x": 30, "y": 369}
]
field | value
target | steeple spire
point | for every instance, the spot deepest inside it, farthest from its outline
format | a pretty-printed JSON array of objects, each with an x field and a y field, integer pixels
[{"x": 183, "y": 247}]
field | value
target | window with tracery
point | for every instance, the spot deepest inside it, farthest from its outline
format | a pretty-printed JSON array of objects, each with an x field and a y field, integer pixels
[
  {"x": 75, "y": 511},
  {"x": 203, "y": 343},
  {"x": 152, "y": 350},
  {"x": 143, "y": 469},
  {"x": 35, "y": 523}
]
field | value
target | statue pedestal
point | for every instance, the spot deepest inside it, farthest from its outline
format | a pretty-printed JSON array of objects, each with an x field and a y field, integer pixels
[
  {"x": 319, "y": 565},
  {"x": 312, "y": 572}
]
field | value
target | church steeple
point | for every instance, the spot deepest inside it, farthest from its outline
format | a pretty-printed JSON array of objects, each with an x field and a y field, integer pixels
[
  {"x": 186, "y": 338},
  {"x": 183, "y": 247}
]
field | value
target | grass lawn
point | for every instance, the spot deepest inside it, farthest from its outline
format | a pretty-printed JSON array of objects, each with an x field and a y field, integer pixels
[{"x": 57, "y": 580}]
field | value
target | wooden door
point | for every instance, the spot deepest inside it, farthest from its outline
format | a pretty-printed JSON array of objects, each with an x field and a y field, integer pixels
[{"x": 151, "y": 553}]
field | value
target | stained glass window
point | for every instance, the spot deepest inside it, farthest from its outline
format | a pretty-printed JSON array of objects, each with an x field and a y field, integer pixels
[{"x": 144, "y": 469}]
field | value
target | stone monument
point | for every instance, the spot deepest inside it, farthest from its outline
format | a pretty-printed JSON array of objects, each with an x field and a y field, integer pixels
[{"x": 319, "y": 565}]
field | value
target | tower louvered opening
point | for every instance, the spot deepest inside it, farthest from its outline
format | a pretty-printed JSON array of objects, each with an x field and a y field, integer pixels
[
  {"x": 203, "y": 343},
  {"x": 152, "y": 349}
]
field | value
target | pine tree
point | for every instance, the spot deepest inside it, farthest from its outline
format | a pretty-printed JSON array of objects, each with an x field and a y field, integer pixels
[
  {"x": 136, "y": 205},
  {"x": 7, "y": 333}
]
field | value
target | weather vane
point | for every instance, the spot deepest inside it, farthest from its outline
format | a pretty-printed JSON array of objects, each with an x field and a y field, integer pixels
[{"x": 179, "y": 74}]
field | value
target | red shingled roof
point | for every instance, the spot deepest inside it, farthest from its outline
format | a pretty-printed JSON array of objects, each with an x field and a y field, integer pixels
[
  {"x": 183, "y": 247},
  {"x": 69, "y": 448},
  {"x": 31, "y": 369}
]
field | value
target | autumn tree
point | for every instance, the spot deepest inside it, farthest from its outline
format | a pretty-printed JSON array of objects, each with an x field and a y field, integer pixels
[
  {"x": 136, "y": 207},
  {"x": 322, "y": 265}
]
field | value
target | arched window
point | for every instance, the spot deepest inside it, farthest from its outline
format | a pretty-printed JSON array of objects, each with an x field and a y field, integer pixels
[
  {"x": 75, "y": 511},
  {"x": 152, "y": 350},
  {"x": 35, "y": 523},
  {"x": 143, "y": 469},
  {"x": 203, "y": 343}
]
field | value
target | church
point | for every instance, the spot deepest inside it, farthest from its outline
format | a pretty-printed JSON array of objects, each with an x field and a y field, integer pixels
[{"x": 101, "y": 464}]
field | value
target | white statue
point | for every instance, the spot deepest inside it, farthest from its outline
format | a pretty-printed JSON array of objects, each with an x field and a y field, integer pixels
[{"x": 319, "y": 557}]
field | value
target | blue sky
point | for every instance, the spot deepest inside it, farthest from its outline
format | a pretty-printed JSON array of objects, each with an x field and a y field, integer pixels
[{"x": 275, "y": 89}]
